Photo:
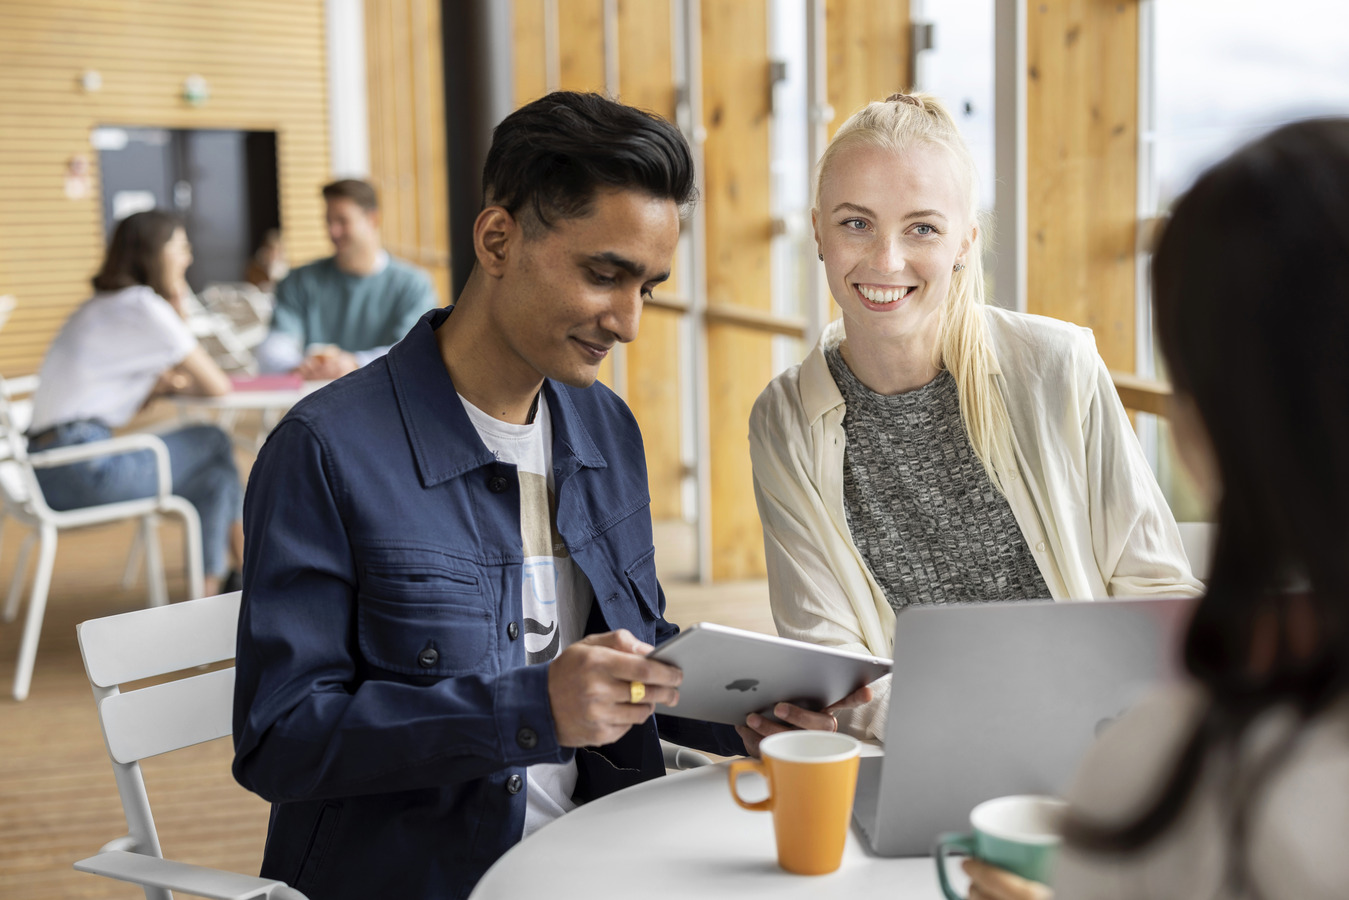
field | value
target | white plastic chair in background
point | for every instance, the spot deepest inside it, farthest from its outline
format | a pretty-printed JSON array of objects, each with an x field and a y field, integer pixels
[
  {"x": 23, "y": 501},
  {"x": 138, "y": 724},
  {"x": 1198, "y": 540},
  {"x": 230, "y": 320}
]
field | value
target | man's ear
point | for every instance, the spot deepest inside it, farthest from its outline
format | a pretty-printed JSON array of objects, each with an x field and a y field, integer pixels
[{"x": 495, "y": 231}]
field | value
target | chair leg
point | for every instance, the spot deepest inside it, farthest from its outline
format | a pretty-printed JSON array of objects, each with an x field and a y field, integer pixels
[
  {"x": 133, "y": 561},
  {"x": 37, "y": 607},
  {"x": 154, "y": 560},
  {"x": 20, "y": 577},
  {"x": 192, "y": 556}
]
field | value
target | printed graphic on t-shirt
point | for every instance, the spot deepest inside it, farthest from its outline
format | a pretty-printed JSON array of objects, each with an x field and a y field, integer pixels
[{"x": 547, "y": 564}]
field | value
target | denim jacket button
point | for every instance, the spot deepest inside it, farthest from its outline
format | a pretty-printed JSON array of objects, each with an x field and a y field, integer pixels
[
  {"x": 512, "y": 631},
  {"x": 514, "y": 784},
  {"x": 527, "y": 738},
  {"x": 428, "y": 657},
  {"x": 496, "y": 484}
]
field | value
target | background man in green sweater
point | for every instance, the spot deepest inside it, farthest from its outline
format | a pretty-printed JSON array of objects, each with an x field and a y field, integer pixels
[{"x": 336, "y": 314}]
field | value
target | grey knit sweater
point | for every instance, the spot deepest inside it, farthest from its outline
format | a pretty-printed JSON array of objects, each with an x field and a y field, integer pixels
[{"x": 923, "y": 513}]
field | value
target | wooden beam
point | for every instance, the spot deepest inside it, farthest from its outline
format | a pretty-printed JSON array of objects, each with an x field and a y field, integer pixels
[
  {"x": 1082, "y": 168},
  {"x": 1143, "y": 394}
]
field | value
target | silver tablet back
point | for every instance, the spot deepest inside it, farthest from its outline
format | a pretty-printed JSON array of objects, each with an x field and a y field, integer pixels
[{"x": 729, "y": 673}]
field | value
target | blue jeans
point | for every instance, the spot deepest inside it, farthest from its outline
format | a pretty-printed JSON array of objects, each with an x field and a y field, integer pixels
[{"x": 201, "y": 458}]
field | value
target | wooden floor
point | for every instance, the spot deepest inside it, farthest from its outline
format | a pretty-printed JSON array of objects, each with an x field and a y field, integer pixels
[{"x": 58, "y": 802}]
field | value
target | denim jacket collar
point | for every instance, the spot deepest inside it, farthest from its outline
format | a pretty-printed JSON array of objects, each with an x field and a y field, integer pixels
[{"x": 444, "y": 442}]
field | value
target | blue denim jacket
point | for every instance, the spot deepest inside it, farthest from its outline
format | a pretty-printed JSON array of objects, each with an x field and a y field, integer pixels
[{"x": 383, "y": 703}]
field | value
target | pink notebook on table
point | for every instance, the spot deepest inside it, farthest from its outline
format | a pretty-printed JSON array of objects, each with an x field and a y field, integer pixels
[{"x": 285, "y": 381}]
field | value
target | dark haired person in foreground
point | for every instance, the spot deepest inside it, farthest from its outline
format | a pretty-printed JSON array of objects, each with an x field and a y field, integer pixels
[
  {"x": 443, "y": 636},
  {"x": 1236, "y": 785},
  {"x": 336, "y": 314}
]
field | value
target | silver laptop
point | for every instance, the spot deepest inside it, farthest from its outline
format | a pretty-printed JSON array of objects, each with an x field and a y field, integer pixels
[{"x": 1004, "y": 698}]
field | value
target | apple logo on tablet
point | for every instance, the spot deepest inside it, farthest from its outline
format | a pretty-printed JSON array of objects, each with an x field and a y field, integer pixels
[{"x": 743, "y": 684}]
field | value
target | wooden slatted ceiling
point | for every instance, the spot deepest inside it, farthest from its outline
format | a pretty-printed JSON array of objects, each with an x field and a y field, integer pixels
[
  {"x": 264, "y": 63},
  {"x": 1082, "y": 168},
  {"x": 407, "y": 133}
]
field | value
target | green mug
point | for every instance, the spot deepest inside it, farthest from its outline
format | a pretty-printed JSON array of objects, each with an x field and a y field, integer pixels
[{"x": 1019, "y": 834}]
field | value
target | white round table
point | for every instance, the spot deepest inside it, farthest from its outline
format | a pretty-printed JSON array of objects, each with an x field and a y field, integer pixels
[{"x": 682, "y": 836}]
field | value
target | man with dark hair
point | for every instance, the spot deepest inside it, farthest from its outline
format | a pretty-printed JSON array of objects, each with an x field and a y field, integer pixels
[
  {"x": 443, "y": 639},
  {"x": 339, "y": 313}
]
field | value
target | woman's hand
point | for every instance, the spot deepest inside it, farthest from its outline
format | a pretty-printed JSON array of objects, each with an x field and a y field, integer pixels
[
  {"x": 756, "y": 727},
  {"x": 991, "y": 883},
  {"x": 171, "y": 381}
]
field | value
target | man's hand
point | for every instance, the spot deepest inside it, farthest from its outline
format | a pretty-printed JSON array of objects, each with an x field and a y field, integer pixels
[
  {"x": 327, "y": 365},
  {"x": 756, "y": 727},
  {"x": 590, "y": 688},
  {"x": 991, "y": 883}
]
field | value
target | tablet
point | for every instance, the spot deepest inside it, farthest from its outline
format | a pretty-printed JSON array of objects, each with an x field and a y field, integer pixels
[{"x": 729, "y": 673}]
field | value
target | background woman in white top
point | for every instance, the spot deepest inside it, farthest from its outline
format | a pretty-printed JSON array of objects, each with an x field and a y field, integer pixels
[
  {"x": 933, "y": 449},
  {"x": 1236, "y": 785},
  {"x": 126, "y": 344}
]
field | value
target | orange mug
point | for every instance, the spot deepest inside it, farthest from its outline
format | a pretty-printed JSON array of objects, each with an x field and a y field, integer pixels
[{"x": 811, "y": 777}]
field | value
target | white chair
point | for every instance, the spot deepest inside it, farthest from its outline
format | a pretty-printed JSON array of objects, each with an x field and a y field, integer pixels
[
  {"x": 19, "y": 393},
  {"x": 1198, "y": 540},
  {"x": 23, "y": 501},
  {"x": 230, "y": 320},
  {"x": 138, "y": 724}
]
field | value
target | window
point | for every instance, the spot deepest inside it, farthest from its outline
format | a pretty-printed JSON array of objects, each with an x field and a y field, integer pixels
[{"x": 1217, "y": 74}]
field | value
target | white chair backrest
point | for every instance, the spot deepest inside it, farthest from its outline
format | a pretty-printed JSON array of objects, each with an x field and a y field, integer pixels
[
  {"x": 17, "y": 481},
  {"x": 159, "y": 641},
  {"x": 1198, "y": 540}
]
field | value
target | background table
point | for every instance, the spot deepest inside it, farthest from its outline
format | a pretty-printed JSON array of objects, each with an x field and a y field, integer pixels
[
  {"x": 683, "y": 836},
  {"x": 224, "y": 410}
]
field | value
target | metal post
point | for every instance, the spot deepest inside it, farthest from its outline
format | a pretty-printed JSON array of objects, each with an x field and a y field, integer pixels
[
  {"x": 690, "y": 119},
  {"x": 819, "y": 116},
  {"x": 1009, "y": 137},
  {"x": 479, "y": 87}
]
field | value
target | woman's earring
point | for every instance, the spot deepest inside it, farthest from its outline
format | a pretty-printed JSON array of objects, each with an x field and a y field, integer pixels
[
  {"x": 958, "y": 267},
  {"x": 821, "y": 257}
]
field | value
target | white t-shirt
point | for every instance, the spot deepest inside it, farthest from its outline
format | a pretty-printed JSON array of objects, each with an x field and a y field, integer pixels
[
  {"x": 107, "y": 357},
  {"x": 555, "y": 595}
]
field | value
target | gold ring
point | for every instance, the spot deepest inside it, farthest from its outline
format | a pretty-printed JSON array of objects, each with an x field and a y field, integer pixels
[{"x": 636, "y": 692}]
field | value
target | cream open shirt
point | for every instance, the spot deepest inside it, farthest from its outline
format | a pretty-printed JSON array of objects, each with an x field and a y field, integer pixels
[{"x": 1081, "y": 491}]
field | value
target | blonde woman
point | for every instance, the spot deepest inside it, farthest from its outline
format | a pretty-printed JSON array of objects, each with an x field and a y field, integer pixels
[{"x": 932, "y": 448}]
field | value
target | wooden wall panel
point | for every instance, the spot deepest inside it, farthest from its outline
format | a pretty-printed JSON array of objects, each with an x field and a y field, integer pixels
[
  {"x": 530, "y": 49},
  {"x": 580, "y": 40},
  {"x": 867, "y": 49},
  {"x": 265, "y": 64},
  {"x": 1082, "y": 168},
  {"x": 646, "y": 79},
  {"x": 407, "y": 133},
  {"x": 736, "y": 93}
]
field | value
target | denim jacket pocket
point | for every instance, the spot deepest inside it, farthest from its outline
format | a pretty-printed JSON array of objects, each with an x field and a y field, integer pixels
[
  {"x": 431, "y": 640},
  {"x": 645, "y": 586},
  {"x": 315, "y": 860}
]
